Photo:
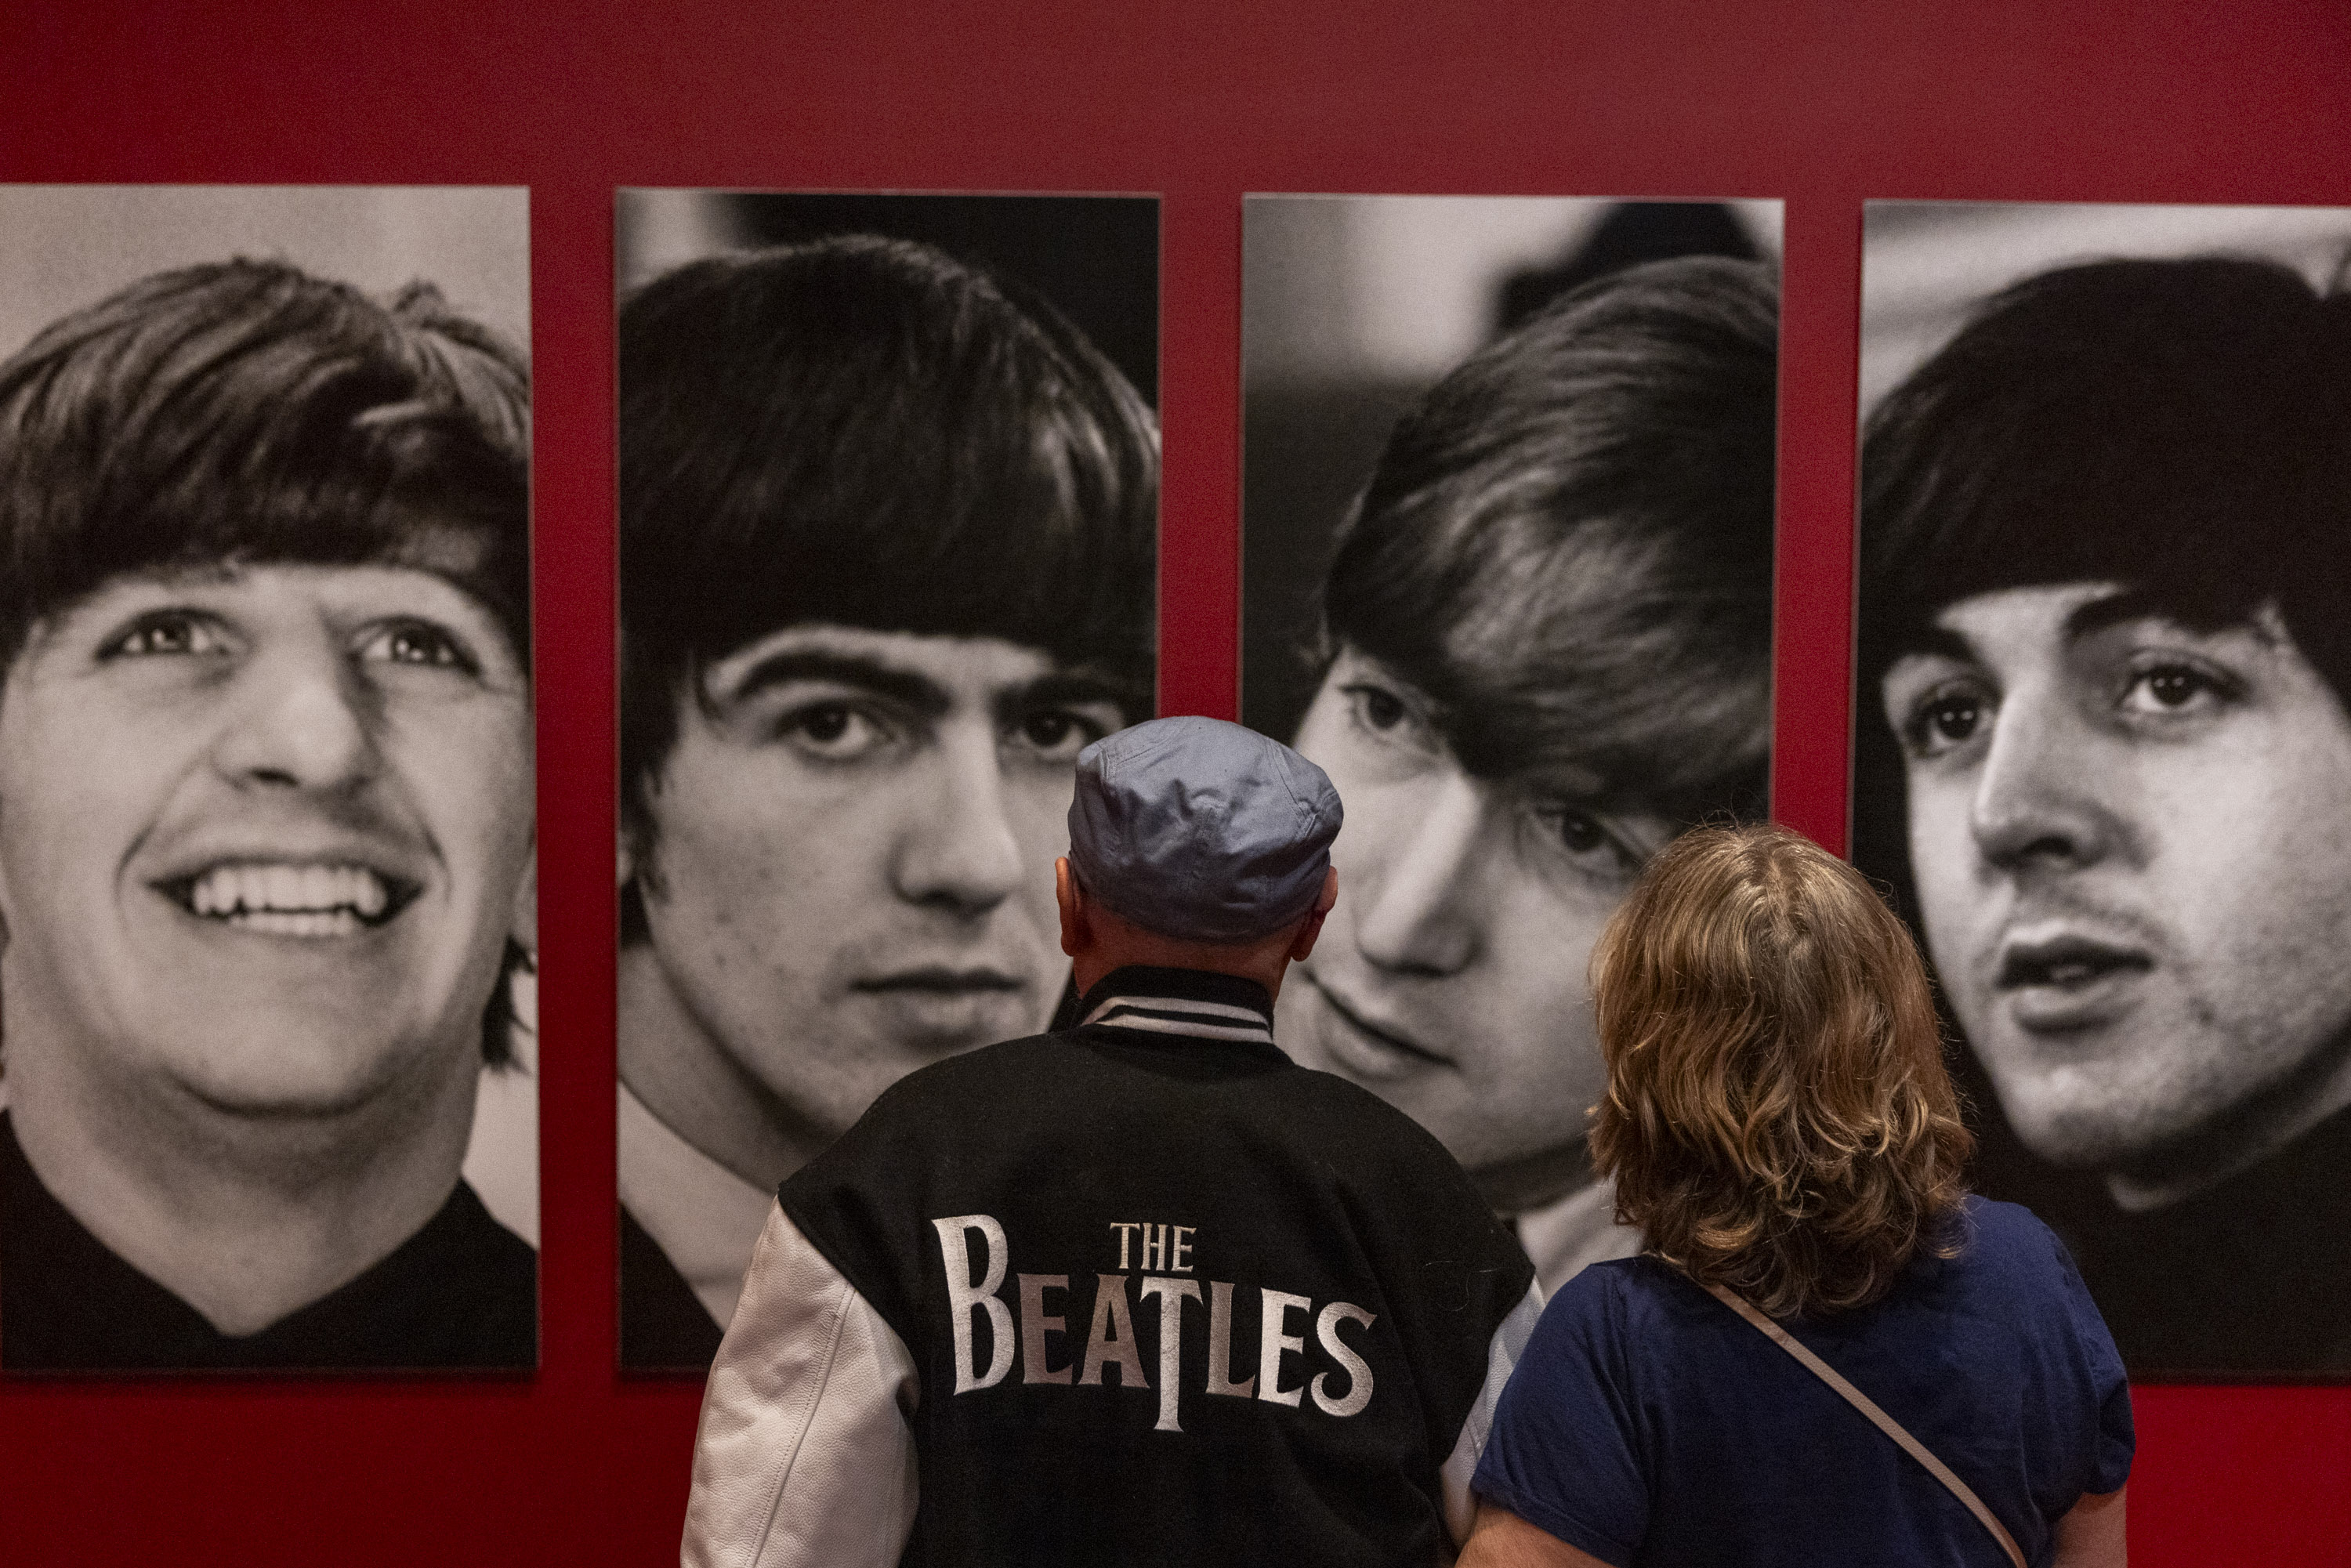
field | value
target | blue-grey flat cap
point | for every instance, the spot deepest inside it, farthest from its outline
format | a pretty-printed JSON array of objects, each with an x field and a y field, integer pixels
[{"x": 1201, "y": 830}]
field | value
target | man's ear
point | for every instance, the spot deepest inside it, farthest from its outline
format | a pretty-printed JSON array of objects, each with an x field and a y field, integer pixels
[
  {"x": 525, "y": 929},
  {"x": 1076, "y": 935},
  {"x": 1312, "y": 927}
]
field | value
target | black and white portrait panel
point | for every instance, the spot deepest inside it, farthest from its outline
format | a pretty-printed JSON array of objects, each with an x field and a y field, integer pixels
[
  {"x": 267, "y": 876},
  {"x": 889, "y": 523},
  {"x": 1507, "y": 576},
  {"x": 2101, "y": 739}
]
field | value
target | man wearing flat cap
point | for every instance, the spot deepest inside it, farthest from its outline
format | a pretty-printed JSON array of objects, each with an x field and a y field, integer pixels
[{"x": 1137, "y": 1292}]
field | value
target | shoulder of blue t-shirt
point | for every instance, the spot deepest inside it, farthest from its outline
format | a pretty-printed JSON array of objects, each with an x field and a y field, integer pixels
[{"x": 2005, "y": 1239}]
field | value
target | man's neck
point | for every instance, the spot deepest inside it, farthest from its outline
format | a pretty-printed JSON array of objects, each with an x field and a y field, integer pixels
[
  {"x": 695, "y": 1087},
  {"x": 1535, "y": 1180},
  {"x": 244, "y": 1218},
  {"x": 1175, "y": 982},
  {"x": 1089, "y": 968}
]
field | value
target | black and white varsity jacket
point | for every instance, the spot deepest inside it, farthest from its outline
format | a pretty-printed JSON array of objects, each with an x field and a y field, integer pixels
[{"x": 1140, "y": 1293}]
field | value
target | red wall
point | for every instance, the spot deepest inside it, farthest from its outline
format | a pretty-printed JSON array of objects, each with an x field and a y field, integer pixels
[{"x": 1201, "y": 100}]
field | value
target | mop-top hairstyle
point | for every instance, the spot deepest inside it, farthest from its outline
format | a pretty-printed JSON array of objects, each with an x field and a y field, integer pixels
[
  {"x": 1566, "y": 545},
  {"x": 867, "y": 433},
  {"x": 1777, "y": 1118},
  {"x": 2179, "y": 427},
  {"x": 244, "y": 412}
]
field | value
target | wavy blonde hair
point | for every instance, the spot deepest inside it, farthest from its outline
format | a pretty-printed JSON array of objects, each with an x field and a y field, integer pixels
[{"x": 1778, "y": 1117}]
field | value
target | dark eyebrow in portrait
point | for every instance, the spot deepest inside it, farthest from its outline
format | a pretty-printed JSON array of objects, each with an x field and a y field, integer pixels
[
  {"x": 1938, "y": 641},
  {"x": 2150, "y": 605},
  {"x": 1061, "y": 689},
  {"x": 915, "y": 692}
]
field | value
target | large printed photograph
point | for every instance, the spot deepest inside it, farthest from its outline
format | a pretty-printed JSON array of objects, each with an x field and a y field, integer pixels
[
  {"x": 1507, "y": 571},
  {"x": 267, "y": 875},
  {"x": 2101, "y": 745},
  {"x": 889, "y": 530}
]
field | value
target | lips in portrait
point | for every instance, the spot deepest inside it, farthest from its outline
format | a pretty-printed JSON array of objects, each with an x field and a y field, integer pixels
[
  {"x": 291, "y": 885},
  {"x": 268, "y": 830},
  {"x": 2061, "y": 976},
  {"x": 304, "y": 901},
  {"x": 948, "y": 1005}
]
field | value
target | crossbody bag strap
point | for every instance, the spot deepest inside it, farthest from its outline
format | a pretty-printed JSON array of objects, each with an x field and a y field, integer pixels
[{"x": 1868, "y": 1407}]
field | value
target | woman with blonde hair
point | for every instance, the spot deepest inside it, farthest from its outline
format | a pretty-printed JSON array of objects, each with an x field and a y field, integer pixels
[{"x": 1829, "y": 1352}]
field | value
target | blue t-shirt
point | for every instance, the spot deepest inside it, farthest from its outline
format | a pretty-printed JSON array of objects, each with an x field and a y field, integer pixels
[{"x": 1648, "y": 1423}]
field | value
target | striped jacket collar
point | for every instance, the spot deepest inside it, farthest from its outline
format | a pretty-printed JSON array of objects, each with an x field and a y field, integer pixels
[{"x": 1181, "y": 1001}]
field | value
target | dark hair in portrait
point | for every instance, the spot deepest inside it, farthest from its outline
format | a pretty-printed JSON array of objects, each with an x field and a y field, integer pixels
[
  {"x": 2182, "y": 428},
  {"x": 869, "y": 433},
  {"x": 244, "y": 412},
  {"x": 1778, "y": 1117},
  {"x": 1566, "y": 545},
  {"x": 2179, "y": 426}
]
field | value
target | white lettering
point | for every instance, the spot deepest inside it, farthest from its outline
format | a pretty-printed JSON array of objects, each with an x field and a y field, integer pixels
[
  {"x": 1111, "y": 1337},
  {"x": 1172, "y": 1294},
  {"x": 1220, "y": 1343},
  {"x": 1155, "y": 1247},
  {"x": 1123, "y": 1226},
  {"x": 1176, "y": 1263},
  {"x": 1271, "y": 1341},
  {"x": 1034, "y": 1322},
  {"x": 1359, "y": 1374},
  {"x": 964, "y": 1292}
]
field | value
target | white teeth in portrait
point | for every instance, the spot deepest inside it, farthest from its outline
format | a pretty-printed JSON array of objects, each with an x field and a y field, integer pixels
[{"x": 292, "y": 900}]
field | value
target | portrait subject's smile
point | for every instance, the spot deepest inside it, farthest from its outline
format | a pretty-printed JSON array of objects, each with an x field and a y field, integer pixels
[
  {"x": 267, "y": 843},
  {"x": 275, "y": 899},
  {"x": 271, "y": 824}
]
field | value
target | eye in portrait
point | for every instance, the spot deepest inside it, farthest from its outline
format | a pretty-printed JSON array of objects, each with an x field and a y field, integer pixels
[
  {"x": 2101, "y": 740},
  {"x": 889, "y": 513},
  {"x": 267, "y": 792},
  {"x": 1508, "y": 533}
]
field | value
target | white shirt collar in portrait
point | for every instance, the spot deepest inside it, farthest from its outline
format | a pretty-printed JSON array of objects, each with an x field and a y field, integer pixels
[
  {"x": 703, "y": 1216},
  {"x": 1564, "y": 1237}
]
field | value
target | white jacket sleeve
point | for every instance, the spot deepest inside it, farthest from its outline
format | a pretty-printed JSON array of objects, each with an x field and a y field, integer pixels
[
  {"x": 803, "y": 1455},
  {"x": 1502, "y": 1353}
]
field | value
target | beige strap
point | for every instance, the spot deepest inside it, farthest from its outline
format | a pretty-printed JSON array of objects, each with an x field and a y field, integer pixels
[{"x": 1867, "y": 1406}]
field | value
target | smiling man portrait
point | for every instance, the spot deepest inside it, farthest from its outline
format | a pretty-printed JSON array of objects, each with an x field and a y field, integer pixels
[
  {"x": 888, "y": 529},
  {"x": 266, "y": 826},
  {"x": 2107, "y": 566}
]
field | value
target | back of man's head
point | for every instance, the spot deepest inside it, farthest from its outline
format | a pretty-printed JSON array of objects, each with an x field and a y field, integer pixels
[{"x": 1206, "y": 845}]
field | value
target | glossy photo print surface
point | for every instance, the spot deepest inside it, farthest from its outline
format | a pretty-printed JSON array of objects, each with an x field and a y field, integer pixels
[
  {"x": 889, "y": 525},
  {"x": 1507, "y": 578},
  {"x": 267, "y": 877},
  {"x": 2101, "y": 749}
]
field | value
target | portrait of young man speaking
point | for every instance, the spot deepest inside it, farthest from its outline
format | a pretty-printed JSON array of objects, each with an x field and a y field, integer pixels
[{"x": 2105, "y": 747}]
